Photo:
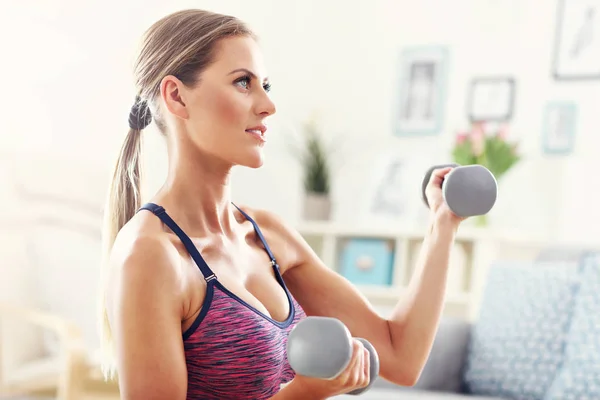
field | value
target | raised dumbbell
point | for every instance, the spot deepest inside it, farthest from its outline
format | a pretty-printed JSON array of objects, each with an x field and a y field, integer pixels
[
  {"x": 321, "y": 347},
  {"x": 468, "y": 190}
]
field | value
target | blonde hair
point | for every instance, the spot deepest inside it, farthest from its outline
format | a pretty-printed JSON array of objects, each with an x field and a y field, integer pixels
[{"x": 181, "y": 44}]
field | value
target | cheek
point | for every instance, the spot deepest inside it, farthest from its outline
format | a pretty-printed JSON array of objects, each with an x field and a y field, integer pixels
[{"x": 230, "y": 109}]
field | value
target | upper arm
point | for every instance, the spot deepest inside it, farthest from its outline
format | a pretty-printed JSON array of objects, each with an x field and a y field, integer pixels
[
  {"x": 144, "y": 309},
  {"x": 321, "y": 291}
]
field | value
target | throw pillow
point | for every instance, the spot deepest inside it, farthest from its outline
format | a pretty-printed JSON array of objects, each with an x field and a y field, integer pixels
[
  {"x": 518, "y": 340},
  {"x": 579, "y": 376}
]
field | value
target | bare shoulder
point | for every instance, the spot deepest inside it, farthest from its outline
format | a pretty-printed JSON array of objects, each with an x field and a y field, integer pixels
[
  {"x": 144, "y": 307},
  {"x": 143, "y": 256},
  {"x": 287, "y": 244}
]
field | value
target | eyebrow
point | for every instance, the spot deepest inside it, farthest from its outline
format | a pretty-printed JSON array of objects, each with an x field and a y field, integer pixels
[{"x": 247, "y": 71}]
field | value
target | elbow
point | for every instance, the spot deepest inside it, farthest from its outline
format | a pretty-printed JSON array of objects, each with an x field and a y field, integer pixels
[
  {"x": 410, "y": 378},
  {"x": 405, "y": 368},
  {"x": 406, "y": 378}
]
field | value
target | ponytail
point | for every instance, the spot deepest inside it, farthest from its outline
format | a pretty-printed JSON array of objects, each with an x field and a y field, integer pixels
[{"x": 124, "y": 199}]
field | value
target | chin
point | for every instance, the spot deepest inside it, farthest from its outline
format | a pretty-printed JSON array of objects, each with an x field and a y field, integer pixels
[
  {"x": 254, "y": 160},
  {"x": 256, "y": 163}
]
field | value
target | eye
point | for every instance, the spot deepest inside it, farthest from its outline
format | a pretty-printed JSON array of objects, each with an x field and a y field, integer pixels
[{"x": 244, "y": 81}]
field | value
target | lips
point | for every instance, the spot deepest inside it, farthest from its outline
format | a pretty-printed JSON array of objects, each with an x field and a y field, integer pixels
[
  {"x": 258, "y": 132},
  {"x": 255, "y": 131}
]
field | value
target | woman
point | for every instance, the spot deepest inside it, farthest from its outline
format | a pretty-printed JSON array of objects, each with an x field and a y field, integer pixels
[{"x": 200, "y": 295}]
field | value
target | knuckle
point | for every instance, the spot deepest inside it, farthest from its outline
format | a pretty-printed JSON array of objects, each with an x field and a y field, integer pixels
[{"x": 357, "y": 345}]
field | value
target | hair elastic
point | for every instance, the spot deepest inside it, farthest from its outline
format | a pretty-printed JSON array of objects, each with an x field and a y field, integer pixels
[{"x": 140, "y": 115}]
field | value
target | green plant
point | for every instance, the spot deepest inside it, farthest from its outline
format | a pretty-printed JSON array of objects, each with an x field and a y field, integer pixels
[
  {"x": 494, "y": 151},
  {"x": 313, "y": 156}
]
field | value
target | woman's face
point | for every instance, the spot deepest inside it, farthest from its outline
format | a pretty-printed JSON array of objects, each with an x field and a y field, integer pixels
[{"x": 225, "y": 113}]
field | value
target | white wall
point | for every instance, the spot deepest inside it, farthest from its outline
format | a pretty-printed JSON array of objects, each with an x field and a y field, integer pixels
[
  {"x": 70, "y": 90},
  {"x": 67, "y": 90}
]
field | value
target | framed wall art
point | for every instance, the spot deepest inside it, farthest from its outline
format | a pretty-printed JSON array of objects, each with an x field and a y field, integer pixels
[
  {"x": 577, "y": 40},
  {"x": 558, "y": 128},
  {"x": 419, "y": 109},
  {"x": 491, "y": 99}
]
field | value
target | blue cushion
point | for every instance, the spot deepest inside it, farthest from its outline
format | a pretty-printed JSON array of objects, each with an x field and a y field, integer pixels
[
  {"x": 579, "y": 377},
  {"x": 518, "y": 340}
]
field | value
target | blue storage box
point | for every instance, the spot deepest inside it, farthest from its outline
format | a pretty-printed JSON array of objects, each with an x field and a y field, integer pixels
[{"x": 368, "y": 261}]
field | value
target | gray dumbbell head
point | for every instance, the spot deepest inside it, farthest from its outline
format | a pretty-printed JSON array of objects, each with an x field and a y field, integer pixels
[
  {"x": 373, "y": 367},
  {"x": 470, "y": 190},
  {"x": 319, "y": 347}
]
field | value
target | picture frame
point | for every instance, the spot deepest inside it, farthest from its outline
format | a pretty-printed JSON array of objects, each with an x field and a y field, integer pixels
[
  {"x": 558, "y": 128},
  {"x": 420, "y": 104},
  {"x": 389, "y": 198},
  {"x": 491, "y": 99},
  {"x": 577, "y": 43}
]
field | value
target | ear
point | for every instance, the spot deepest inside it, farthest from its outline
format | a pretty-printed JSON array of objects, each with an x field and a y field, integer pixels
[{"x": 172, "y": 93}]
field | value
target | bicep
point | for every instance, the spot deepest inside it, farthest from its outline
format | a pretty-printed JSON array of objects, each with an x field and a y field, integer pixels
[
  {"x": 322, "y": 291},
  {"x": 144, "y": 311}
]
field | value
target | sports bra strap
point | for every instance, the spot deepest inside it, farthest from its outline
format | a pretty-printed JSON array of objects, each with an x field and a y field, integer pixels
[
  {"x": 187, "y": 242},
  {"x": 260, "y": 235}
]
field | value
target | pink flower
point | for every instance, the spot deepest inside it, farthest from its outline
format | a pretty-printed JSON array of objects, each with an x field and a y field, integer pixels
[
  {"x": 461, "y": 137},
  {"x": 502, "y": 132}
]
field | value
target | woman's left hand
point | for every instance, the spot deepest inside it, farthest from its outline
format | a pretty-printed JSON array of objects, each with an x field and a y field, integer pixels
[{"x": 439, "y": 209}]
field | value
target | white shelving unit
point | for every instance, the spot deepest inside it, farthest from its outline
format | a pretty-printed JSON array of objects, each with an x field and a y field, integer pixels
[{"x": 475, "y": 249}]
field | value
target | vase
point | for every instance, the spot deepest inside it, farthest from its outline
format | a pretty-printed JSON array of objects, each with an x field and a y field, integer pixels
[{"x": 317, "y": 207}]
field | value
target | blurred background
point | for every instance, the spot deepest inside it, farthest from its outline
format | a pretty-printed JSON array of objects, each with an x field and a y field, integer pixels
[{"x": 369, "y": 95}]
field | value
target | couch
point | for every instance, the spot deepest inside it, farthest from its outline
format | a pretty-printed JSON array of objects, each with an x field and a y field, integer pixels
[{"x": 537, "y": 337}]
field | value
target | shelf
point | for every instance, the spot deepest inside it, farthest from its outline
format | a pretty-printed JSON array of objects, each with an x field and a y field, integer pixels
[
  {"x": 391, "y": 295},
  {"x": 465, "y": 232},
  {"x": 380, "y": 260},
  {"x": 326, "y": 228}
]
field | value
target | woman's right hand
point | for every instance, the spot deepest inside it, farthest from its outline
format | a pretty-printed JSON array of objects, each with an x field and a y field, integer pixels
[{"x": 355, "y": 376}]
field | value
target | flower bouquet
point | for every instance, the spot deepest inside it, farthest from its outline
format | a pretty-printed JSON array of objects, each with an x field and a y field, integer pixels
[{"x": 490, "y": 149}]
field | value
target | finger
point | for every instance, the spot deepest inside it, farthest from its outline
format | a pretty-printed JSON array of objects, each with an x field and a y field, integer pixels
[
  {"x": 357, "y": 371},
  {"x": 363, "y": 362},
  {"x": 367, "y": 368},
  {"x": 354, "y": 361},
  {"x": 440, "y": 172},
  {"x": 437, "y": 176}
]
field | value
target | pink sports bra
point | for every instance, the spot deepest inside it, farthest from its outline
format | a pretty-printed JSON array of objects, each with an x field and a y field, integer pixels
[{"x": 232, "y": 350}]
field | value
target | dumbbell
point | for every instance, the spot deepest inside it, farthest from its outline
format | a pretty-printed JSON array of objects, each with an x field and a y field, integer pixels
[
  {"x": 321, "y": 347},
  {"x": 468, "y": 190}
]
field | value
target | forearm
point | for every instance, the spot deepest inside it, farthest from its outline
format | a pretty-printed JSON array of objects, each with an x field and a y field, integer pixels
[
  {"x": 414, "y": 322},
  {"x": 293, "y": 390}
]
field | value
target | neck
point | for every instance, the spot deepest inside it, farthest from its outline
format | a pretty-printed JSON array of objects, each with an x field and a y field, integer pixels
[{"x": 197, "y": 193}]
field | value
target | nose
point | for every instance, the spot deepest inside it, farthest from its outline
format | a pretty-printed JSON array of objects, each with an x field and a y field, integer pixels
[{"x": 265, "y": 106}]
